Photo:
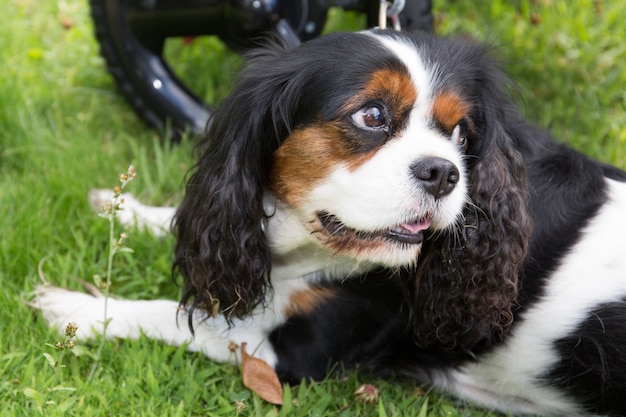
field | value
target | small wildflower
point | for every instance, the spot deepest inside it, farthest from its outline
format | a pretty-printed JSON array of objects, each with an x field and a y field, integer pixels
[
  {"x": 121, "y": 240},
  {"x": 240, "y": 406},
  {"x": 367, "y": 394},
  {"x": 110, "y": 210},
  {"x": 233, "y": 347},
  {"x": 129, "y": 175},
  {"x": 70, "y": 329},
  {"x": 107, "y": 208},
  {"x": 70, "y": 334},
  {"x": 119, "y": 204}
]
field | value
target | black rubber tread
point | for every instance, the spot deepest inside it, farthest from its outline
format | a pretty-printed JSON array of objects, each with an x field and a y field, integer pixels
[
  {"x": 103, "y": 35},
  {"x": 156, "y": 110}
]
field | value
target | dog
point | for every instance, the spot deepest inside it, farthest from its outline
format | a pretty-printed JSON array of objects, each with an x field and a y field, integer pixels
[{"x": 376, "y": 198}]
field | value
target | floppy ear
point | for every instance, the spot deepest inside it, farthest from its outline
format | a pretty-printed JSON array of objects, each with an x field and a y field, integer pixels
[
  {"x": 221, "y": 251},
  {"x": 468, "y": 277}
]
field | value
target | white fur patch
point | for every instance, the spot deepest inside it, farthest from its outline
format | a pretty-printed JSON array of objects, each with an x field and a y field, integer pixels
[{"x": 592, "y": 274}]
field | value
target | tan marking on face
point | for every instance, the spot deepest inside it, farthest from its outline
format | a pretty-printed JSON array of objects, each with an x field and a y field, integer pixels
[
  {"x": 449, "y": 109},
  {"x": 311, "y": 153},
  {"x": 396, "y": 86},
  {"x": 391, "y": 87},
  {"x": 307, "y": 157},
  {"x": 305, "y": 301}
]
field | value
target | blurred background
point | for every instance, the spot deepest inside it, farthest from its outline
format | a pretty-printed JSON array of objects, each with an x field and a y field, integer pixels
[{"x": 65, "y": 127}]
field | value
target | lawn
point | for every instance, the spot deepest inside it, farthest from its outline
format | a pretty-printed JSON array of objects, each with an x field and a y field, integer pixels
[{"x": 64, "y": 130}]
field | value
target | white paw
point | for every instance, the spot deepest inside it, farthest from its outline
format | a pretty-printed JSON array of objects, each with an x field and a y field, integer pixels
[
  {"x": 157, "y": 220},
  {"x": 60, "y": 307}
]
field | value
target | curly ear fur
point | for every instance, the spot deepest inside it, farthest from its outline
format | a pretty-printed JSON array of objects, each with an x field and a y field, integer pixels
[
  {"x": 468, "y": 277},
  {"x": 221, "y": 250}
]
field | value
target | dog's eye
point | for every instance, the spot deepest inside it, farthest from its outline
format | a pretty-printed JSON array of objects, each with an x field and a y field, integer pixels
[
  {"x": 370, "y": 117},
  {"x": 459, "y": 135}
]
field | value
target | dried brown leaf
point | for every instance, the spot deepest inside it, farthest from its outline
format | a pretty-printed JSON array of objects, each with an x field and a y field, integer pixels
[{"x": 259, "y": 377}]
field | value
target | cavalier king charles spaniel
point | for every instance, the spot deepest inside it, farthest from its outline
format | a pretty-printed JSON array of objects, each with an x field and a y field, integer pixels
[{"x": 376, "y": 198}]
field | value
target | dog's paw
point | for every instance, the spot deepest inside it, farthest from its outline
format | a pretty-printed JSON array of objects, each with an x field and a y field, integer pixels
[
  {"x": 98, "y": 198},
  {"x": 59, "y": 307},
  {"x": 133, "y": 213}
]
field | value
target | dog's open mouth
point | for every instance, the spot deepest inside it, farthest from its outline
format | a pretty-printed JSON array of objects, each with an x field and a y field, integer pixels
[{"x": 411, "y": 233}]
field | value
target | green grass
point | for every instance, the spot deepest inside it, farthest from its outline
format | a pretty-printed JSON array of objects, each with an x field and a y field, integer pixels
[{"x": 64, "y": 129}]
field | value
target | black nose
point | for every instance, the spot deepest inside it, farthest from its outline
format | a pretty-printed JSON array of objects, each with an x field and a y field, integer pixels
[{"x": 438, "y": 176}]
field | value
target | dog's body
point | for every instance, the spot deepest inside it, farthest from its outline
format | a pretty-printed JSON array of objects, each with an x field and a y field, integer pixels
[{"x": 375, "y": 198}]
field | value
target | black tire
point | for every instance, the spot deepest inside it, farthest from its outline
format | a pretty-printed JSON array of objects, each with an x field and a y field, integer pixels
[
  {"x": 145, "y": 80},
  {"x": 132, "y": 34}
]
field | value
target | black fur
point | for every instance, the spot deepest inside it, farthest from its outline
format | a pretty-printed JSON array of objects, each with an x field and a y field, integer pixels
[
  {"x": 530, "y": 199},
  {"x": 593, "y": 360}
]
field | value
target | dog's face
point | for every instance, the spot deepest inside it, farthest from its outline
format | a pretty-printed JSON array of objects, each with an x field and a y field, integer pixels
[
  {"x": 377, "y": 159},
  {"x": 353, "y": 150}
]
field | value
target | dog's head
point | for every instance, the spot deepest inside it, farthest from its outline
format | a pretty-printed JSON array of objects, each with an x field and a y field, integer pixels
[{"x": 369, "y": 146}]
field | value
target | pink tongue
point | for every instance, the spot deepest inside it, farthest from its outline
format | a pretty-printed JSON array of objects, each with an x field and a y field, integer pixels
[{"x": 416, "y": 227}]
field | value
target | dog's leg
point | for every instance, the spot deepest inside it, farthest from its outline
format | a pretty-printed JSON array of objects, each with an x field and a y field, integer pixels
[
  {"x": 158, "y": 220},
  {"x": 157, "y": 319}
]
